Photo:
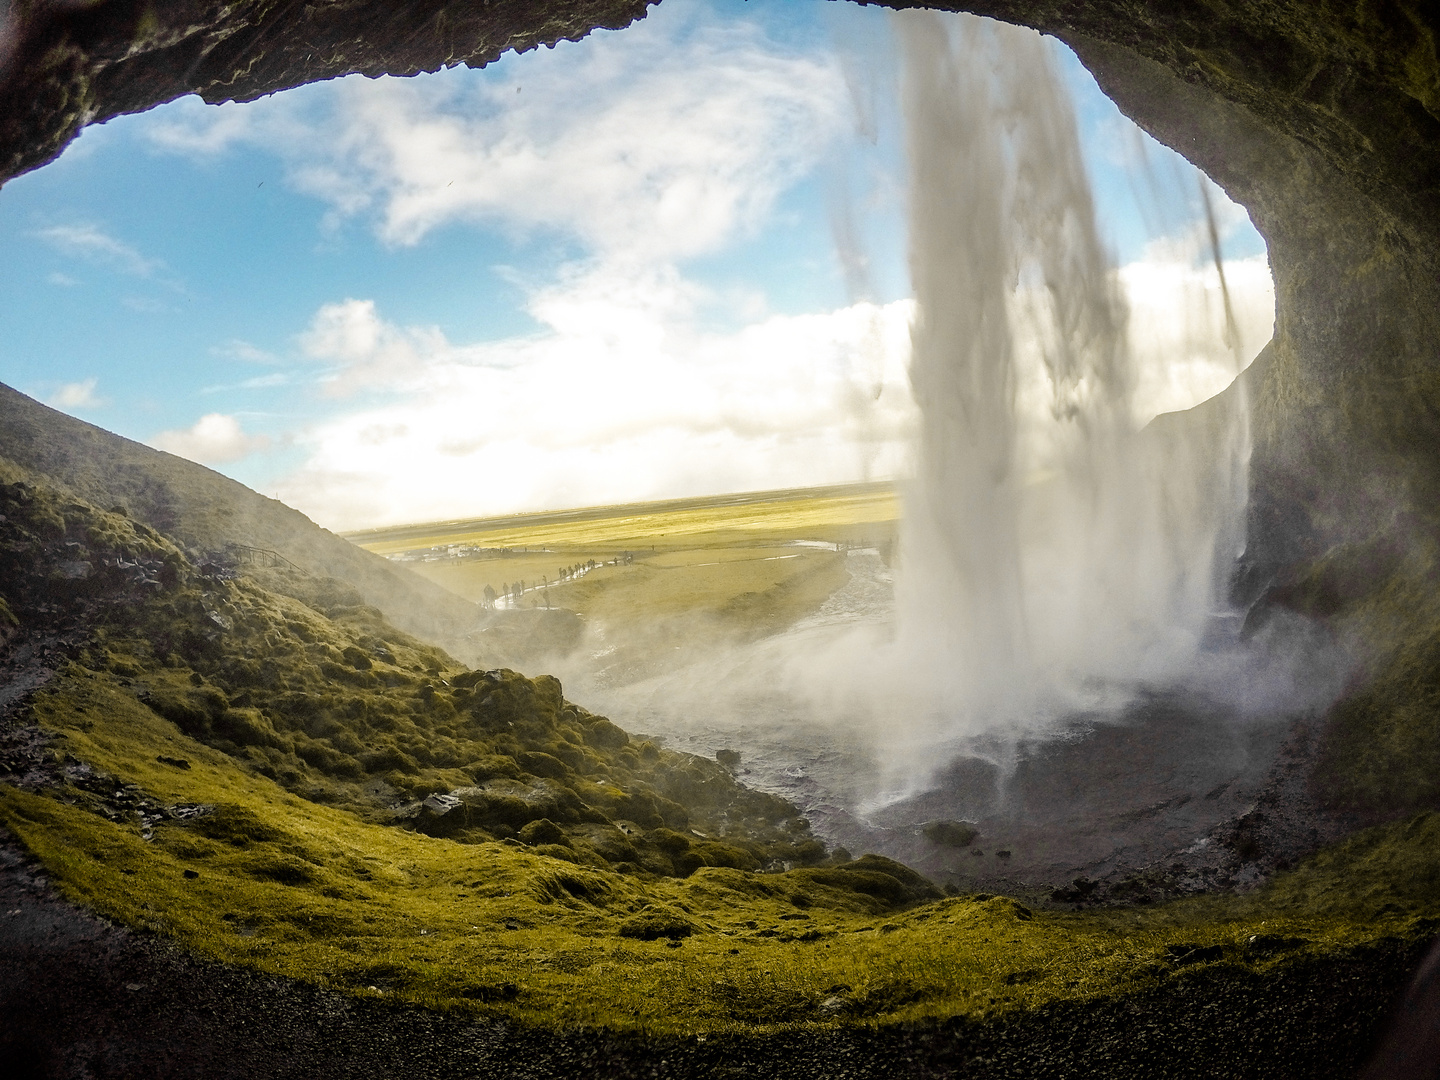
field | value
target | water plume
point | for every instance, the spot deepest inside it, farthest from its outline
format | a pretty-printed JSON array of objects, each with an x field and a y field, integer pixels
[{"x": 1054, "y": 554}]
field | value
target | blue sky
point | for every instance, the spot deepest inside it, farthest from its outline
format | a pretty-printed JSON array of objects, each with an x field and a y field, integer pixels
[{"x": 599, "y": 272}]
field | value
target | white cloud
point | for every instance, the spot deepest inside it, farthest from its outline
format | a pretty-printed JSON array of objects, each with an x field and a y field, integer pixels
[
  {"x": 1177, "y": 328},
  {"x": 216, "y": 439},
  {"x": 638, "y": 151},
  {"x": 659, "y": 143},
  {"x": 65, "y": 281},
  {"x": 364, "y": 350},
  {"x": 260, "y": 382},
  {"x": 76, "y": 395},
  {"x": 622, "y": 397},
  {"x": 637, "y": 405},
  {"x": 92, "y": 243},
  {"x": 236, "y": 349}
]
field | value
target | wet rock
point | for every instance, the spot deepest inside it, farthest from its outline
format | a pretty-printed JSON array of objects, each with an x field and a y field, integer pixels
[
  {"x": 1185, "y": 955},
  {"x": 1079, "y": 891},
  {"x": 440, "y": 805},
  {"x": 1259, "y": 945}
]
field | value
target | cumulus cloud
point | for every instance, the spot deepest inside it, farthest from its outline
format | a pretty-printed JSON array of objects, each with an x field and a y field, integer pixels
[
  {"x": 364, "y": 350},
  {"x": 76, "y": 395},
  {"x": 659, "y": 143},
  {"x": 622, "y": 398},
  {"x": 94, "y": 244},
  {"x": 637, "y": 152},
  {"x": 633, "y": 406},
  {"x": 216, "y": 439}
]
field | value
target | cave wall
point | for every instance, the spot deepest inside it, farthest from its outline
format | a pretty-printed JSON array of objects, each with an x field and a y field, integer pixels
[{"x": 1347, "y": 402}]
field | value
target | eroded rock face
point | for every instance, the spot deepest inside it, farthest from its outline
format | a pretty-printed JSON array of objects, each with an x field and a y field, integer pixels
[{"x": 1358, "y": 84}]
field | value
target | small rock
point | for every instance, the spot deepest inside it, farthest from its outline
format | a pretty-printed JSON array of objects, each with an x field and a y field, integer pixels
[{"x": 440, "y": 804}]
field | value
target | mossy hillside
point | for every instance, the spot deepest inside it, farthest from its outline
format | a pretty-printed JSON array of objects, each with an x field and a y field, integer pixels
[
  {"x": 347, "y": 712},
  {"x": 198, "y": 510},
  {"x": 308, "y": 891},
  {"x": 297, "y": 871},
  {"x": 337, "y": 706},
  {"x": 58, "y": 550}
]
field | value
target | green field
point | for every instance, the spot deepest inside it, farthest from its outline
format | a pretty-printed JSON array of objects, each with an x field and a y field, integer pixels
[{"x": 669, "y": 575}]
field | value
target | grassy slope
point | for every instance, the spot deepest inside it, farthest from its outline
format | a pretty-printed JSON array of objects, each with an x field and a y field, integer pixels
[
  {"x": 200, "y": 509},
  {"x": 846, "y": 515},
  {"x": 545, "y": 932}
]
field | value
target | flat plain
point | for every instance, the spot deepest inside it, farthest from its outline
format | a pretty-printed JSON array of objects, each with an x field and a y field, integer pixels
[{"x": 679, "y": 573}]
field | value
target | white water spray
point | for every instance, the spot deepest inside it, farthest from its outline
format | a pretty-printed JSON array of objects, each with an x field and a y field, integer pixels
[{"x": 1054, "y": 555}]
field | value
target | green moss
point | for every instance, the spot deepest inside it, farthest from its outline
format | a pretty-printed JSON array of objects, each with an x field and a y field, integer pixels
[{"x": 315, "y": 893}]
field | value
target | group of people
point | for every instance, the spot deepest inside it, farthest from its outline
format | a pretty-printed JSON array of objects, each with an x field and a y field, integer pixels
[
  {"x": 570, "y": 573},
  {"x": 511, "y": 592}
]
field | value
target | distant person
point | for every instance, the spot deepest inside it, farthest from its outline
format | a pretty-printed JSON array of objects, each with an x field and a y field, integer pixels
[{"x": 489, "y": 596}]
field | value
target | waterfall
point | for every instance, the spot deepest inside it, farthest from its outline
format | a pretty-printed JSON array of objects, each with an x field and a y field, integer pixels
[{"x": 1055, "y": 555}]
